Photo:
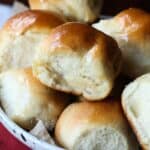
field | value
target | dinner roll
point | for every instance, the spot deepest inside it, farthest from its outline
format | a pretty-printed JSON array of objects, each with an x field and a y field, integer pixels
[
  {"x": 81, "y": 10},
  {"x": 22, "y": 34},
  {"x": 94, "y": 126},
  {"x": 131, "y": 29},
  {"x": 77, "y": 58},
  {"x": 136, "y": 105},
  {"x": 25, "y": 100}
]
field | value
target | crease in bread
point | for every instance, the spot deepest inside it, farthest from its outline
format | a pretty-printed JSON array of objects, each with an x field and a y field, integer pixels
[
  {"x": 21, "y": 35},
  {"x": 130, "y": 28},
  {"x": 136, "y": 105},
  {"x": 25, "y": 100},
  {"x": 78, "y": 59},
  {"x": 94, "y": 125}
]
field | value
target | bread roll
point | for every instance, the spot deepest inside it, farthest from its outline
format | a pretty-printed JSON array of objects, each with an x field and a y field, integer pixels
[
  {"x": 77, "y": 58},
  {"x": 25, "y": 100},
  {"x": 94, "y": 126},
  {"x": 131, "y": 29},
  {"x": 21, "y": 36},
  {"x": 81, "y": 10},
  {"x": 136, "y": 105}
]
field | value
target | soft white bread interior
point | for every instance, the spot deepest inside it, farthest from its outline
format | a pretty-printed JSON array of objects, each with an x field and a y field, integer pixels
[
  {"x": 136, "y": 105},
  {"x": 22, "y": 34},
  {"x": 25, "y": 100},
  {"x": 79, "y": 59},
  {"x": 75, "y": 10},
  {"x": 94, "y": 126},
  {"x": 131, "y": 29}
]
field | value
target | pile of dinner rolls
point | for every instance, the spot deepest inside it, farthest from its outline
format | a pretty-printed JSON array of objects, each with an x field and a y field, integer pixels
[{"x": 57, "y": 68}]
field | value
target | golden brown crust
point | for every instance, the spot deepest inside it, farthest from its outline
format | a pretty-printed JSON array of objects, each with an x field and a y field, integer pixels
[
  {"x": 82, "y": 111},
  {"x": 134, "y": 40},
  {"x": 36, "y": 20},
  {"x": 81, "y": 41},
  {"x": 21, "y": 36},
  {"x": 81, "y": 37},
  {"x": 135, "y": 23},
  {"x": 131, "y": 30},
  {"x": 66, "y": 34},
  {"x": 77, "y": 115}
]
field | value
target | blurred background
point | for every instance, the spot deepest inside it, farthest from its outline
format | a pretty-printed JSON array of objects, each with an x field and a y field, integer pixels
[{"x": 110, "y": 7}]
